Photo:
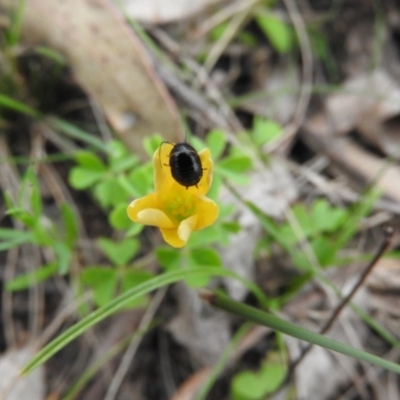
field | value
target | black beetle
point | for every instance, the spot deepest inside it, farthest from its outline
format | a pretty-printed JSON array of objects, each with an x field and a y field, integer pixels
[{"x": 185, "y": 164}]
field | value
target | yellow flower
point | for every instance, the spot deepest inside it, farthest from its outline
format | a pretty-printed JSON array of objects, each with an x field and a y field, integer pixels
[{"x": 175, "y": 209}]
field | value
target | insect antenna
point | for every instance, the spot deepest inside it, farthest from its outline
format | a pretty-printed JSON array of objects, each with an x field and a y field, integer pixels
[{"x": 159, "y": 149}]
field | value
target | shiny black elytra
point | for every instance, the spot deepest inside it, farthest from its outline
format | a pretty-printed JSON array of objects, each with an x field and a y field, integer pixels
[{"x": 185, "y": 165}]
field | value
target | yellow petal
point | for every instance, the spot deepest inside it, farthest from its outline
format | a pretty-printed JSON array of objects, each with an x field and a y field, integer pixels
[
  {"x": 163, "y": 180},
  {"x": 162, "y": 171},
  {"x": 154, "y": 217},
  {"x": 186, "y": 227},
  {"x": 207, "y": 212},
  {"x": 172, "y": 238},
  {"x": 207, "y": 164},
  {"x": 149, "y": 201},
  {"x": 178, "y": 237},
  {"x": 146, "y": 210}
]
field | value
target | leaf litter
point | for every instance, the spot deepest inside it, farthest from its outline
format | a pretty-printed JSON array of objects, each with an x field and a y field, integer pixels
[{"x": 347, "y": 140}]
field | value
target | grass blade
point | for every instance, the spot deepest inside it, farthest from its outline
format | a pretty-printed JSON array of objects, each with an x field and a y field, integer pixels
[
  {"x": 117, "y": 304},
  {"x": 278, "y": 324}
]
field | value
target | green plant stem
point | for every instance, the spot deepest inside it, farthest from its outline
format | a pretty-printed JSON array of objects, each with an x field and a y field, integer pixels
[
  {"x": 116, "y": 305},
  {"x": 18, "y": 106},
  {"x": 260, "y": 317},
  {"x": 346, "y": 300}
]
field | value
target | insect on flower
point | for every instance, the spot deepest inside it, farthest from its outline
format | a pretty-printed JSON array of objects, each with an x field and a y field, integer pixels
[
  {"x": 185, "y": 164},
  {"x": 177, "y": 208}
]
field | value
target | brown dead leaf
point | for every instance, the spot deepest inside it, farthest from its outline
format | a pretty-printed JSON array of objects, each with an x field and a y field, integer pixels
[
  {"x": 361, "y": 165},
  {"x": 203, "y": 331},
  {"x": 385, "y": 136},
  {"x": 386, "y": 275},
  {"x": 161, "y": 11},
  {"x": 373, "y": 97},
  {"x": 108, "y": 61},
  {"x": 12, "y": 385}
]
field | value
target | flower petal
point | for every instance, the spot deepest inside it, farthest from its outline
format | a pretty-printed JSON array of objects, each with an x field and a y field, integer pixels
[
  {"x": 149, "y": 201},
  {"x": 162, "y": 171},
  {"x": 172, "y": 238},
  {"x": 207, "y": 212},
  {"x": 178, "y": 237},
  {"x": 163, "y": 180},
  {"x": 186, "y": 227},
  {"x": 206, "y": 162},
  {"x": 154, "y": 217},
  {"x": 146, "y": 211}
]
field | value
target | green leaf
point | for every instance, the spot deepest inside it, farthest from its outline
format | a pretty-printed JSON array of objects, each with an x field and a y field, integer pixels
[
  {"x": 103, "y": 282},
  {"x": 205, "y": 237},
  {"x": 17, "y": 106},
  {"x": 354, "y": 216},
  {"x": 51, "y": 54},
  {"x": 89, "y": 160},
  {"x": 265, "y": 131},
  {"x": 152, "y": 143},
  {"x": 124, "y": 164},
  {"x": 324, "y": 251},
  {"x": 273, "y": 374},
  {"x": 141, "y": 180},
  {"x": 117, "y": 150},
  {"x": 278, "y": 32},
  {"x": 231, "y": 227},
  {"x": 13, "y": 33},
  {"x": 134, "y": 230},
  {"x": 124, "y": 181},
  {"x": 327, "y": 218},
  {"x": 225, "y": 210},
  {"x": 24, "y": 216},
  {"x": 43, "y": 236},
  {"x": 249, "y": 385},
  {"x": 110, "y": 192},
  {"x": 82, "y": 178},
  {"x": 215, "y": 187},
  {"x": 119, "y": 217},
  {"x": 31, "y": 183},
  {"x": 26, "y": 281},
  {"x": 63, "y": 255},
  {"x": 168, "y": 258},
  {"x": 205, "y": 257},
  {"x": 11, "y": 233},
  {"x": 70, "y": 224},
  {"x": 233, "y": 167},
  {"x": 120, "y": 158},
  {"x": 8, "y": 200},
  {"x": 216, "y": 142},
  {"x": 304, "y": 219},
  {"x": 130, "y": 280},
  {"x": 76, "y": 132},
  {"x": 235, "y": 163},
  {"x": 286, "y": 231},
  {"x": 196, "y": 142},
  {"x": 216, "y": 33},
  {"x": 234, "y": 177},
  {"x": 119, "y": 253}
]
